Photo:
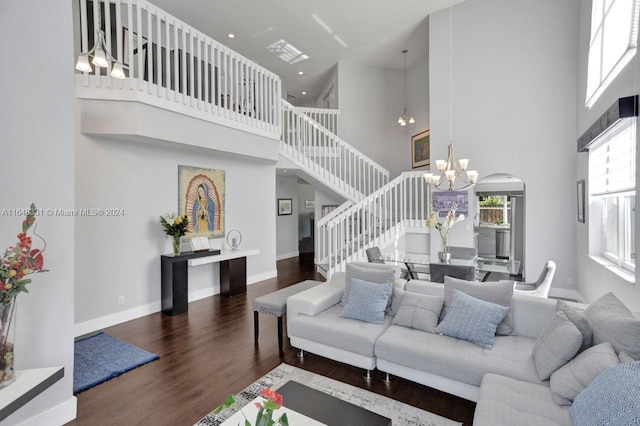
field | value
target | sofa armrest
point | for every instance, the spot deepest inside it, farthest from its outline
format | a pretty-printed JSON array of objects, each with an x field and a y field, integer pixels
[
  {"x": 337, "y": 280},
  {"x": 531, "y": 314},
  {"x": 313, "y": 301}
]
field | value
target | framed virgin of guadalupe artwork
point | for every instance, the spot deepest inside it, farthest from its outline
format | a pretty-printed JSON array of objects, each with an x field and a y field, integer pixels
[
  {"x": 420, "y": 155},
  {"x": 201, "y": 195}
]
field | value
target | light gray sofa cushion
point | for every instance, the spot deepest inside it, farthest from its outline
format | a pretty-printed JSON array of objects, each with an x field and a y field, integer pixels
[
  {"x": 472, "y": 319},
  {"x": 371, "y": 272},
  {"x": 507, "y": 402},
  {"x": 419, "y": 311},
  {"x": 458, "y": 359},
  {"x": 572, "y": 378},
  {"x": 329, "y": 328},
  {"x": 611, "y": 321},
  {"x": 500, "y": 293},
  {"x": 557, "y": 345}
]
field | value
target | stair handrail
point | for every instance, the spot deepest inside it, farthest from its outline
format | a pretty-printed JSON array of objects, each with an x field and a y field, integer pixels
[
  {"x": 346, "y": 175},
  {"x": 380, "y": 218},
  {"x": 327, "y": 117}
]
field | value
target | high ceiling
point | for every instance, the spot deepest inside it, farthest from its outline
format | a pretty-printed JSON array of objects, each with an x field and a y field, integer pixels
[{"x": 369, "y": 32}]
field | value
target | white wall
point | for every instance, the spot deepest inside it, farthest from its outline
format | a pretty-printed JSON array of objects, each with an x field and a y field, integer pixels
[
  {"x": 36, "y": 137},
  {"x": 120, "y": 256},
  {"x": 287, "y": 225},
  {"x": 370, "y": 101},
  {"x": 514, "y": 97},
  {"x": 417, "y": 102},
  {"x": 594, "y": 280}
]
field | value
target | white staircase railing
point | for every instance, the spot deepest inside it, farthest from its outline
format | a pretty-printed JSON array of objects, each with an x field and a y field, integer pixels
[
  {"x": 173, "y": 66},
  {"x": 328, "y": 158},
  {"x": 377, "y": 220},
  {"x": 326, "y": 117}
]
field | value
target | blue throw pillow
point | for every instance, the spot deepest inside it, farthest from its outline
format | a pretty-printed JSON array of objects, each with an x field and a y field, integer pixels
[
  {"x": 472, "y": 319},
  {"x": 367, "y": 301},
  {"x": 613, "y": 398}
]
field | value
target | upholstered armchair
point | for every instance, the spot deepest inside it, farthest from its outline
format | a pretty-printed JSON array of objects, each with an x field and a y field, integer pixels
[{"x": 541, "y": 287}]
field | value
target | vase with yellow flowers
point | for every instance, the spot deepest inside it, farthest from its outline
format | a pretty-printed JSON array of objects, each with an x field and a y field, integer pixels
[
  {"x": 176, "y": 227},
  {"x": 443, "y": 227},
  {"x": 16, "y": 264}
]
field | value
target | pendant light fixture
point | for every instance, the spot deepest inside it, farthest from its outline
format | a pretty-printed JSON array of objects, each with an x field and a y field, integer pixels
[
  {"x": 403, "y": 119},
  {"x": 451, "y": 169},
  {"x": 101, "y": 56}
]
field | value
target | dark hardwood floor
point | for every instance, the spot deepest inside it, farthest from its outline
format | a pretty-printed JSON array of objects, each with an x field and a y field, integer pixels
[{"x": 209, "y": 352}]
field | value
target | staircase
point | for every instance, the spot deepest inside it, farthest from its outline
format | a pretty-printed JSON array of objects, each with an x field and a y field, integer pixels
[
  {"x": 377, "y": 213},
  {"x": 196, "y": 76}
]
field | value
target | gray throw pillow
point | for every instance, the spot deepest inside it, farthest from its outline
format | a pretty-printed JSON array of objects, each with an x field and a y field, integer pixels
[
  {"x": 500, "y": 293},
  {"x": 624, "y": 358},
  {"x": 558, "y": 343},
  {"x": 419, "y": 311},
  {"x": 572, "y": 378},
  {"x": 472, "y": 319},
  {"x": 611, "y": 321},
  {"x": 579, "y": 320},
  {"x": 396, "y": 301},
  {"x": 371, "y": 272}
]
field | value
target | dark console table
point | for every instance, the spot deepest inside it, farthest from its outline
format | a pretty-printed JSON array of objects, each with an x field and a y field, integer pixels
[{"x": 175, "y": 275}]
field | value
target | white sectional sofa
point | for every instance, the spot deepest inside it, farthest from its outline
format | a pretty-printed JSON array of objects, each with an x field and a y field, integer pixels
[{"x": 503, "y": 380}]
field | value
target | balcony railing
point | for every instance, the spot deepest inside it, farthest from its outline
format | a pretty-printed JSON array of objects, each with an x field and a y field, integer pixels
[{"x": 173, "y": 66}]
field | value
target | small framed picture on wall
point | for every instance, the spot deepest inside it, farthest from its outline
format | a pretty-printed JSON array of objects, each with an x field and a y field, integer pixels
[
  {"x": 420, "y": 154},
  {"x": 284, "y": 206},
  {"x": 580, "y": 194}
]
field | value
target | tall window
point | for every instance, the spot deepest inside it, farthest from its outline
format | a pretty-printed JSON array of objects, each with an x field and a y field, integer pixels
[
  {"x": 612, "y": 172},
  {"x": 614, "y": 35}
]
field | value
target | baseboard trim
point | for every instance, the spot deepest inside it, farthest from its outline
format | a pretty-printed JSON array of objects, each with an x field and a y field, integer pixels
[
  {"x": 59, "y": 415},
  {"x": 97, "y": 324},
  {"x": 287, "y": 255}
]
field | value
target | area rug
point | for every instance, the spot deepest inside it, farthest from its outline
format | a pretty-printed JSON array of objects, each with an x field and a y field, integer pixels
[
  {"x": 100, "y": 357},
  {"x": 398, "y": 412}
]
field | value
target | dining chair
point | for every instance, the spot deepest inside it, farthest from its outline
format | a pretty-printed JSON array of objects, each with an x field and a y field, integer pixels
[
  {"x": 374, "y": 255},
  {"x": 437, "y": 272},
  {"x": 541, "y": 287},
  {"x": 463, "y": 252}
]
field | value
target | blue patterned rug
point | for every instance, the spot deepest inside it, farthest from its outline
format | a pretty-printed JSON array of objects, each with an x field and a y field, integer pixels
[{"x": 100, "y": 357}]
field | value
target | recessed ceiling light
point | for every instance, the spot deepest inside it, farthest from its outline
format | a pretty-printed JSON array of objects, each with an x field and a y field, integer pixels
[
  {"x": 304, "y": 93},
  {"x": 300, "y": 72},
  {"x": 231, "y": 35}
]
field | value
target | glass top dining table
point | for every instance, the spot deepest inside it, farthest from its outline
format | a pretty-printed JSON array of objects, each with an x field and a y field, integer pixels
[
  {"x": 423, "y": 261},
  {"x": 483, "y": 265}
]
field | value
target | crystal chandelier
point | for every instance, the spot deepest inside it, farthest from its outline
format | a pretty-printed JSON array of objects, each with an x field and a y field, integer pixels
[
  {"x": 101, "y": 56},
  {"x": 403, "y": 119},
  {"x": 451, "y": 170}
]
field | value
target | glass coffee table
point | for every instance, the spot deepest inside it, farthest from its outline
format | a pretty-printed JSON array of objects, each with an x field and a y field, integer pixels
[{"x": 307, "y": 406}]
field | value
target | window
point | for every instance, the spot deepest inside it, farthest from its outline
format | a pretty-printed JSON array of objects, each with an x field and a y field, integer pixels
[
  {"x": 614, "y": 34},
  {"x": 612, "y": 171},
  {"x": 495, "y": 209}
]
